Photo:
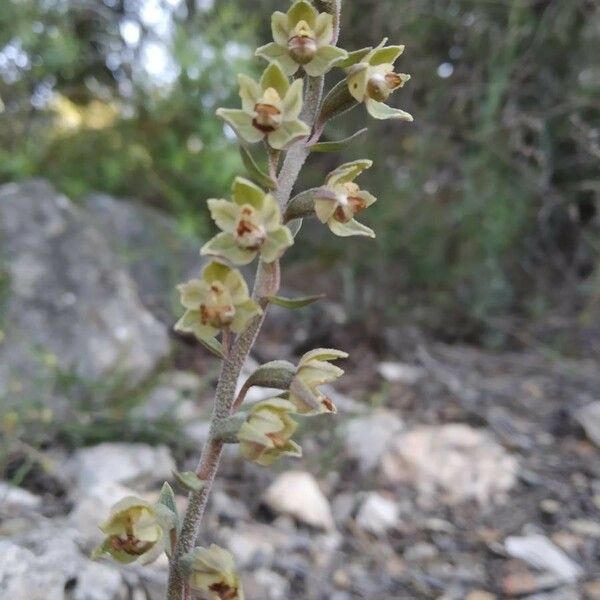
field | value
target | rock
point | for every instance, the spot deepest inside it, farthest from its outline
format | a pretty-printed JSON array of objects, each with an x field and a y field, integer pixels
[
  {"x": 175, "y": 395},
  {"x": 52, "y": 565},
  {"x": 591, "y": 590},
  {"x": 456, "y": 461},
  {"x": 378, "y": 514},
  {"x": 156, "y": 255},
  {"x": 67, "y": 304},
  {"x": 267, "y": 585},
  {"x": 589, "y": 418},
  {"x": 140, "y": 465},
  {"x": 401, "y": 372},
  {"x": 421, "y": 552},
  {"x": 539, "y": 552},
  {"x": 366, "y": 438},
  {"x": 15, "y": 500},
  {"x": 255, "y": 545},
  {"x": 297, "y": 494},
  {"x": 227, "y": 507},
  {"x": 480, "y": 595}
]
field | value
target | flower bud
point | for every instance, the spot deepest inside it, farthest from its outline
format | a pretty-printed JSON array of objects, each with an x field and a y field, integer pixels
[
  {"x": 133, "y": 532},
  {"x": 212, "y": 571}
]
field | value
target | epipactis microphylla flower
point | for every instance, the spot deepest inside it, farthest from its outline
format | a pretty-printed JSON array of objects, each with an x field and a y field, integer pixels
[
  {"x": 372, "y": 81},
  {"x": 303, "y": 37},
  {"x": 133, "y": 532},
  {"x": 270, "y": 109},
  {"x": 265, "y": 435},
  {"x": 314, "y": 370},
  {"x": 212, "y": 571},
  {"x": 340, "y": 200},
  {"x": 218, "y": 300},
  {"x": 251, "y": 226}
]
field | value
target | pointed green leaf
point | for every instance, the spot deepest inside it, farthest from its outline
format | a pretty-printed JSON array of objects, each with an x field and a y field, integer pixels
[
  {"x": 254, "y": 170},
  {"x": 167, "y": 497},
  {"x": 294, "y": 303},
  {"x": 188, "y": 480},
  {"x": 338, "y": 101},
  {"x": 339, "y": 145},
  {"x": 213, "y": 345},
  {"x": 302, "y": 205}
]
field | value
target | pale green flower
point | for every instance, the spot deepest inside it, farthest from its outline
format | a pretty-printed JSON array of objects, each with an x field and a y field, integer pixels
[
  {"x": 212, "y": 571},
  {"x": 265, "y": 435},
  {"x": 270, "y": 109},
  {"x": 218, "y": 300},
  {"x": 372, "y": 81},
  {"x": 251, "y": 226},
  {"x": 302, "y": 37},
  {"x": 133, "y": 532},
  {"x": 340, "y": 199},
  {"x": 314, "y": 370}
]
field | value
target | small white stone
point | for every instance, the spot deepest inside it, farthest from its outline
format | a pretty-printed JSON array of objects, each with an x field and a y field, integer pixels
[
  {"x": 378, "y": 514},
  {"x": 401, "y": 372},
  {"x": 296, "y": 493}
]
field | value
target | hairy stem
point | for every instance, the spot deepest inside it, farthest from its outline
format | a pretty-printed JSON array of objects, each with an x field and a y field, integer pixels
[{"x": 266, "y": 284}]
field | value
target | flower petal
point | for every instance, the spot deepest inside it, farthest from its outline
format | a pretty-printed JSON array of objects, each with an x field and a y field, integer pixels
[
  {"x": 302, "y": 11},
  {"x": 348, "y": 172},
  {"x": 350, "y": 228},
  {"x": 387, "y": 55},
  {"x": 274, "y": 77},
  {"x": 246, "y": 192},
  {"x": 358, "y": 75},
  {"x": 292, "y": 103},
  {"x": 280, "y": 54},
  {"x": 324, "y": 29},
  {"x": 250, "y": 92},
  {"x": 223, "y": 213},
  {"x": 191, "y": 323},
  {"x": 236, "y": 284},
  {"x": 367, "y": 197},
  {"x": 276, "y": 243},
  {"x": 244, "y": 313},
  {"x": 224, "y": 245},
  {"x": 193, "y": 293},
  {"x": 215, "y": 271},
  {"x": 325, "y": 59},
  {"x": 280, "y": 27},
  {"x": 324, "y": 208},
  {"x": 322, "y": 354},
  {"x": 241, "y": 122},
  {"x": 270, "y": 213},
  {"x": 382, "y": 112},
  {"x": 288, "y": 133}
]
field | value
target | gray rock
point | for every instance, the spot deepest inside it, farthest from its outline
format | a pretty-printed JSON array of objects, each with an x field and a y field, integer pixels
[
  {"x": 366, "y": 438},
  {"x": 140, "y": 465},
  {"x": 539, "y": 552},
  {"x": 48, "y": 564},
  {"x": 15, "y": 500},
  {"x": 378, "y": 514},
  {"x": 267, "y": 585},
  {"x": 67, "y": 304},
  {"x": 454, "y": 463},
  {"x": 154, "y": 252},
  {"x": 401, "y": 372},
  {"x": 589, "y": 418},
  {"x": 297, "y": 494}
]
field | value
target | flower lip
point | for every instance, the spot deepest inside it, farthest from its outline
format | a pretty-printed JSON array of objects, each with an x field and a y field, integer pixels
[
  {"x": 267, "y": 110},
  {"x": 249, "y": 234},
  {"x": 302, "y": 44},
  {"x": 218, "y": 310},
  {"x": 129, "y": 544},
  {"x": 224, "y": 591}
]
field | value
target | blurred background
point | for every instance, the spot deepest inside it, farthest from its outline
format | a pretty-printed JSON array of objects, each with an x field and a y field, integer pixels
[{"x": 473, "y": 318}]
